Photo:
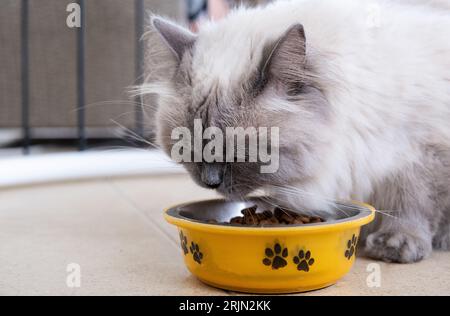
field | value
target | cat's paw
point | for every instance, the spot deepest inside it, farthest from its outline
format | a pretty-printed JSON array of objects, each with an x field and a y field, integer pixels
[
  {"x": 397, "y": 247},
  {"x": 442, "y": 241}
]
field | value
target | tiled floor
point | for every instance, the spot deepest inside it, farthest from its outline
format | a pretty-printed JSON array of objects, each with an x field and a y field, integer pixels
[{"x": 113, "y": 228}]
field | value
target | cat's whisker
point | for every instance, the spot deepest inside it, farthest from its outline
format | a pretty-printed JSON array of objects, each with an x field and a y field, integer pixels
[
  {"x": 134, "y": 135},
  {"x": 113, "y": 102},
  {"x": 295, "y": 192},
  {"x": 170, "y": 166},
  {"x": 336, "y": 203}
]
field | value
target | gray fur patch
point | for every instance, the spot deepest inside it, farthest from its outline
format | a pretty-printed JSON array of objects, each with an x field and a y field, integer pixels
[{"x": 414, "y": 206}]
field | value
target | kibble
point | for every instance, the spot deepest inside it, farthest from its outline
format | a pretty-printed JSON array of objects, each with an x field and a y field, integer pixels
[{"x": 277, "y": 216}]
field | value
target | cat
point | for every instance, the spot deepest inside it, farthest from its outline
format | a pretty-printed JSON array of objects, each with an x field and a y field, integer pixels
[{"x": 360, "y": 90}]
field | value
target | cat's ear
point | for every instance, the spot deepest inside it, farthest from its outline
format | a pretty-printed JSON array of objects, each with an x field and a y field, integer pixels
[
  {"x": 286, "y": 59},
  {"x": 177, "y": 38}
]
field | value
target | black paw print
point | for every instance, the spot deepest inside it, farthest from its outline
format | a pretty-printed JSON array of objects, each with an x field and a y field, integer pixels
[
  {"x": 275, "y": 257},
  {"x": 196, "y": 254},
  {"x": 183, "y": 241},
  {"x": 351, "y": 247},
  {"x": 303, "y": 261}
]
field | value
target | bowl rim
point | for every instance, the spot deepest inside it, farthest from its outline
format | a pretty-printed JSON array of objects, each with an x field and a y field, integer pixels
[{"x": 366, "y": 215}]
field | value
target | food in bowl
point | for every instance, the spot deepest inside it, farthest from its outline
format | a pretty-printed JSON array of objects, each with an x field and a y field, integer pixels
[
  {"x": 274, "y": 259},
  {"x": 277, "y": 216}
]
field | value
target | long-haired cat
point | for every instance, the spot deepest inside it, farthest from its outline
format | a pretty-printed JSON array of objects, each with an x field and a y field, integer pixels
[{"x": 359, "y": 89}]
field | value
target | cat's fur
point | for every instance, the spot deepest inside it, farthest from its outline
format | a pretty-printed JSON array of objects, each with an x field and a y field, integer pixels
[{"x": 359, "y": 89}]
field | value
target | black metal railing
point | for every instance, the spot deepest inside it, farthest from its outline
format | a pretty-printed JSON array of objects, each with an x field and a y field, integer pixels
[
  {"x": 140, "y": 20},
  {"x": 24, "y": 57},
  {"x": 81, "y": 93}
]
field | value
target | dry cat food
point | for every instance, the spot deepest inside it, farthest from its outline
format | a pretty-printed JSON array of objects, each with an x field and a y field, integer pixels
[{"x": 279, "y": 216}]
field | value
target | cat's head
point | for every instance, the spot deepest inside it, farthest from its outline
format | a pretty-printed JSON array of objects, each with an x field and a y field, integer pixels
[{"x": 227, "y": 79}]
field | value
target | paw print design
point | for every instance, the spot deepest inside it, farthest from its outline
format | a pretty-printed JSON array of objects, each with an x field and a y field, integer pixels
[
  {"x": 303, "y": 261},
  {"x": 184, "y": 243},
  {"x": 275, "y": 257},
  {"x": 196, "y": 254},
  {"x": 351, "y": 247}
]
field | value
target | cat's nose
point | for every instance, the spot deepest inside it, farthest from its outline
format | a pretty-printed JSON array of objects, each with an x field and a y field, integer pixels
[{"x": 212, "y": 175}]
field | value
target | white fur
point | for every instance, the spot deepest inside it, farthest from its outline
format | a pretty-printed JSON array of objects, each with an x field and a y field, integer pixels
[{"x": 386, "y": 65}]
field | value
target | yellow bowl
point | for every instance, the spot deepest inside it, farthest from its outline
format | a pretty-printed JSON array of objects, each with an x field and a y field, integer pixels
[{"x": 281, "y": 259}]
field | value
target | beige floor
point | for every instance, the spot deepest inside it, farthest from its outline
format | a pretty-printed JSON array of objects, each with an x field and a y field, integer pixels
[{"x": 113, "y": 228}]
